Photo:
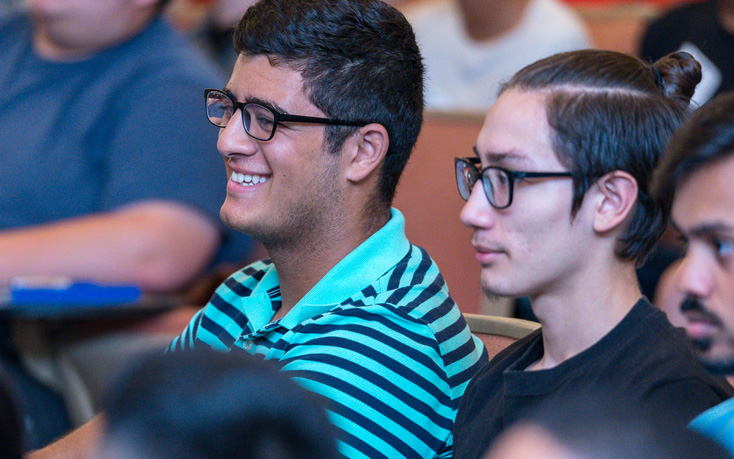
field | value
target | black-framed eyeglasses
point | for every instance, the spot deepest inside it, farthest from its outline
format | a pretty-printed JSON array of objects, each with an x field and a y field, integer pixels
[
  {"x": 498, "y": 183},
  {"x": 259, "y": 120}
]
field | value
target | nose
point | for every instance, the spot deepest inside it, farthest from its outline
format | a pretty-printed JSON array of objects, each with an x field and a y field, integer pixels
[
  {"x": 477, "y": 213},
  {"x": 233, "y": 140},
  {"x": 694, "y": 276}
]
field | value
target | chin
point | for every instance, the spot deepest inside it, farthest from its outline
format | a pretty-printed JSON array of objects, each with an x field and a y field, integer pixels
[
  {"x": 235, "y": 217},
  {"x": 227, "y": 219},
  {"x": 717, "y": 355},
  {"x": 494, "y": 290},
  {"x": 495, "y": 284}
]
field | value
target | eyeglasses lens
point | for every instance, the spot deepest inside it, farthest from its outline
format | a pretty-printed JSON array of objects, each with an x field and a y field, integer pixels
[
  {"x": 497, "y": 187},
  {"x": 466, "y": 176},
  {"x": 259, "y": 121},
  {"x": 219, "y": 108}
]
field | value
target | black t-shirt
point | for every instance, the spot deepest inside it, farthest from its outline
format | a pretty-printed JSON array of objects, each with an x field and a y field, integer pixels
[
  {"x": 644, "y": 359},
  {"x": 696, "y": 23}
]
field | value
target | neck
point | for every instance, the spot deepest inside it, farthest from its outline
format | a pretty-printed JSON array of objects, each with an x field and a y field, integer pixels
[
  {"x": 575, "y": 320},
  {"x": 301, "y": 265},
  {"x": 486, "y": 20}
]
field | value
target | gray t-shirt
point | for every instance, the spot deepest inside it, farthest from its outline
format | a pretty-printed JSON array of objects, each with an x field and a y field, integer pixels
[{"x": 125, "y": 125}]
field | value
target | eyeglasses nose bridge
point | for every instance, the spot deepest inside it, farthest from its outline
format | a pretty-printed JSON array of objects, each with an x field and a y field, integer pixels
[{"x": 228, "y": 121}]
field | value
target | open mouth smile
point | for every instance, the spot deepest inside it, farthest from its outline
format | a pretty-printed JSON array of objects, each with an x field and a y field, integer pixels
[{"x": 248, "y": 179}]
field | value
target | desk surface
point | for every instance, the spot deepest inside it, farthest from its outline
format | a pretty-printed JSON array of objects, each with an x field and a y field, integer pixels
[{"x": 148, "y": 304}]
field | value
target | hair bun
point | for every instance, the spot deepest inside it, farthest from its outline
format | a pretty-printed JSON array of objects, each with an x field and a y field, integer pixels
[{"x": 679, "y": 74}]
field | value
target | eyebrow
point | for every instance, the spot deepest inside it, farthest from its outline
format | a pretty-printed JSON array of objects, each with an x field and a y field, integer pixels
[
  {"x": 502, "y": 158},
  {"x": 706, "y": 228},
  {"x": 256, "y": 100}
]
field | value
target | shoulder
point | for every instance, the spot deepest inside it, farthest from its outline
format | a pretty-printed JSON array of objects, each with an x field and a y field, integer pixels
[
  {"x": 414, "y": 286},
  {"x": 160, "y": 55},
  {"x": 659, "y": 360},
  {"x": 416, "y": 293},
  {"x": 389, "y": 337},
  {"x": 10, "y": 20},
  {"x": 645, "y": 340},
  {"x": 183, "y": 56},
  {"x": 15, "y": 31},
  {"x": 376, "y": 331}
]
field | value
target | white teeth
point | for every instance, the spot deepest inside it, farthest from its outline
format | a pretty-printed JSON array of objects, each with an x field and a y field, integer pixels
[{"x": 247, "y": 179}]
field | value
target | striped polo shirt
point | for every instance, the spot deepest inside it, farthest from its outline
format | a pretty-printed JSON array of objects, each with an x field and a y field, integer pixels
[{"x": 378, "y": 336}]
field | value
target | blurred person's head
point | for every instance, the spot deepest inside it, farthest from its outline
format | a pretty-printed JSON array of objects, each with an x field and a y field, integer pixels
[
  {"x": 75, "y": 29},
  {"x": 697, "y": 178},
  {"x": 356, "y": 64},
  {"x": 569, "y": 148},
  {"x": 204, "y": 404},
  {"x": 598, "y": 427}
]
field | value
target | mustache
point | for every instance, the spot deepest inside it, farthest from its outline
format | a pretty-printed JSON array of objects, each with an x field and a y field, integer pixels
[{"x": 693, "y": 304}]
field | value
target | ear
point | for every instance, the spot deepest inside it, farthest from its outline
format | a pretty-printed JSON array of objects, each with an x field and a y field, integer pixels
[
  {"x": 367, "y": 152},
  {"x": 616, "y": 196}
]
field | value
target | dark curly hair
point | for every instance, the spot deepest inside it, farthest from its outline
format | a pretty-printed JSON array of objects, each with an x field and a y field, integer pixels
[{"x": 359, "y": 60}]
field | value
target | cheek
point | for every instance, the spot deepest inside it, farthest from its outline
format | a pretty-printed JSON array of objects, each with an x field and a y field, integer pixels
[
  {"x": 543, "y": 226},
  {"x": 725, "y": 301}
]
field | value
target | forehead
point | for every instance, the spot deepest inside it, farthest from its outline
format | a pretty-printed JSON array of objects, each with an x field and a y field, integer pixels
[
  {"x": 516, "y": 134},
  {"x": 706, "y": 196},
  {"x": 253, "y": 77}
]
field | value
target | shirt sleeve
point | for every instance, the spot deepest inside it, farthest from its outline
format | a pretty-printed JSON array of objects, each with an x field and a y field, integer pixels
[
  {"x": 384, "y": 377},
  {"x": 187, "y": 339}
]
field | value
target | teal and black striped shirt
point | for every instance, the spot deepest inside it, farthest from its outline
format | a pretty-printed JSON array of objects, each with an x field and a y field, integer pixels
[{"x": 378, "y": 336}]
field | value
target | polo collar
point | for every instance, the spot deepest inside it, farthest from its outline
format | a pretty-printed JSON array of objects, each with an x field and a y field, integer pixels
[{"x": 362, "y": 267}]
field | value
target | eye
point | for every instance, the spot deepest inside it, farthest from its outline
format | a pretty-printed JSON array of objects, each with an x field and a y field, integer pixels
[
  {"x": 503, "y": 179},
  {"x": 724, "y": 248},
  {"x": 265, "y": 121}
]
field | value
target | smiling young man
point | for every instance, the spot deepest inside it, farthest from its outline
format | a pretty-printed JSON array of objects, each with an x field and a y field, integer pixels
[
  {"x": 696, "y": 177},
  {"x": 560, "y": 212},
  {"x": 318, "y": 120}
]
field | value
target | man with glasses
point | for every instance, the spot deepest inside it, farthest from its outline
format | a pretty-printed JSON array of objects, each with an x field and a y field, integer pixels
[
  {"x": 557, "y": 200},
  {"x": 317, "y": 122},
  {"x": 696, "y": 179}
]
